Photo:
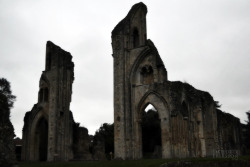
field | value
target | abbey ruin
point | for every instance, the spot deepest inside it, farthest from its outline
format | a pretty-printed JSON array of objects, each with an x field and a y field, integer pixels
[
  {"x": 188, "y": 117},
  {"x": 50, "y": 132},
  {"x": 48, "y": 126},
  {"x": 190, "y": 123}
]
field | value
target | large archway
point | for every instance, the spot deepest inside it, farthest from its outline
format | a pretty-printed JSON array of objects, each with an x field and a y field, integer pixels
[
  {"x": 41, "y": 140},
  {"x": 163, "y": 117},
  {"x": 151, "y": 133}
]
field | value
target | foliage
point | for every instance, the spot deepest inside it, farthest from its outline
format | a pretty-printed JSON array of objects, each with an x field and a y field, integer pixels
[
  {"x": 248, "y": 131},
  {"x": 248, "y": 117},
  {"x": 7, "y": 154},
  {"x": 6, "y": 102},
  {"x": 217, "y": 104},
  {"x": 6, "y": 97},
  {"x": 105, "y": 134}
]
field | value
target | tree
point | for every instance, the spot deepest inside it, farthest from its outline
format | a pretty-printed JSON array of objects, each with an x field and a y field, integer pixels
[
  {"x": 217, "y": 104},
  {"x": 248, "y": 130},
  {"x": 6, "y": 97},
  {"x": 248, "y": 117},
  {"x": 7, "y": 149},
  {"x": 106, "y": 135}
]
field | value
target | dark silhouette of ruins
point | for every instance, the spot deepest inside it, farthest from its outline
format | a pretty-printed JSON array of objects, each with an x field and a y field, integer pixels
[
  {"x": 48, "y": 127},
  {"x": 188, "y": 121},
  {"x": 49, "y": 131}
]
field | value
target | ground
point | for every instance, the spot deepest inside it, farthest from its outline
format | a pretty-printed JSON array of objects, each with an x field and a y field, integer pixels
[{"x": 243, "y": 161}]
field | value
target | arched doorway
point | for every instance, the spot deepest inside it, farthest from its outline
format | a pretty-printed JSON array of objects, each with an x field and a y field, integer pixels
[
  {"x": 151, "y": 133},
  {"x": 41, "y": 139},
  {"x": 162, "y": 116}
]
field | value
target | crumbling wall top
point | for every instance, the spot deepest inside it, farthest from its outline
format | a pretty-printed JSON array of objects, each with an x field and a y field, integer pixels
[
  {"x": 120, "y": 26},
  {"x": 57, "y": 57}
]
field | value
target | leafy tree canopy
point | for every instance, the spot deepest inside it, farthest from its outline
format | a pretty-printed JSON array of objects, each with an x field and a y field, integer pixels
[
  {"x": 248, "y": 130},
  {"x": 106, "y": 134},
  {"x": 217, "y": 104},
  {"x": 6, "y": 97}
]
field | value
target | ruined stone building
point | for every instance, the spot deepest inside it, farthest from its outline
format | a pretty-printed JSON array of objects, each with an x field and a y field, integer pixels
[
  {"x": 50, "y": 132},
  {"x": 47, "y": 131},
  {"x": 190, "y": 123},
  {"x": 188, "y": 117}
]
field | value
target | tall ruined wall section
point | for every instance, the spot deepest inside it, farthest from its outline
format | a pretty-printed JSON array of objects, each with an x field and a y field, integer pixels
[
  {"x": 187, "y": 116},
  {"x": 122, "y": 43},
  {"x": 196, "y": 109},
  {"x": 60, "y": 73},
  {"x": 51, "y": 117},
  {"x": 229, "y": 135}
]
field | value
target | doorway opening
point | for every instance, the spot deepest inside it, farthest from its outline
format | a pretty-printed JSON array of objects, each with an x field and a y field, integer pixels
[
  {"x": 151, "y": 133},
  {"x": 42, "y": 139}
]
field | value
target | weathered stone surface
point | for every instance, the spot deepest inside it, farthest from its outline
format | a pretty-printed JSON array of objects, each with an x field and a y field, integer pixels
[
  {"x": 48, "y": 127},
  {"x": 81, "y": 143},
  {"x": 99, "y": 151},
  {"x": 188, "y": 116},
  {"x": 50, "y": 132},
  {"x": 229, "y": 135}
]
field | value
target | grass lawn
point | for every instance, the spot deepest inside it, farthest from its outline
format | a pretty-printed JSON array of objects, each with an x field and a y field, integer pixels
[
  {"x": 120, "y": 163},
  {"x": 115, "y": 163}
]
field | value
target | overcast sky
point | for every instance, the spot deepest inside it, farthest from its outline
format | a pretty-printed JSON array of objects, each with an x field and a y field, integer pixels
[{"x": 205, "y": 43}]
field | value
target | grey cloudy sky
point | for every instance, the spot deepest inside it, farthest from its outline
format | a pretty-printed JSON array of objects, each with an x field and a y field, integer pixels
[{"x": 205, "y": 43}]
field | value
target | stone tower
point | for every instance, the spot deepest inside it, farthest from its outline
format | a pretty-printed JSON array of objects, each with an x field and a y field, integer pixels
[
  {"x": 137, "y": 66},
  {"x": 47, "y": 131},
  {"x": 188, "y": 117},
  {"x": 128, "y": 38}
]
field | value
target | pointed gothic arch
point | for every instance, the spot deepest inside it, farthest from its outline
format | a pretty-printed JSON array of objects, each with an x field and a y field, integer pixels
[
  {"x": 39, "y": 137},
  {"x": 163, "y": 110},
  {"x": 151, "y": 132},
  {"x": 43, "y": 95},
  {"x": 184, "y": 110},
  {"x": 42, "y": 139}
]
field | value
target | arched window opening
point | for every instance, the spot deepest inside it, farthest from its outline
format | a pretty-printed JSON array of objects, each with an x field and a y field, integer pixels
[
  {"x": 135, "y": 38},
  {"x": 184, "y": 111},
  {"x": 40, "y": 98},
  {"x": 46, "y": 94},
  {"x": 41, "y": 139},
  {"x": 150, "y": 107},
  {"x": 151, "y": 133},
  {"x": 147, "y": 74}
]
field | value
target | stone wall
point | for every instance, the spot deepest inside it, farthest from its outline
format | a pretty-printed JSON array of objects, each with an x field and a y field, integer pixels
[
  {"x": 81, "y": 143},
  {"x": 229, "y": 135},
  {"x": 50, "y": 132},
  {"x": 188, "y": 116}
]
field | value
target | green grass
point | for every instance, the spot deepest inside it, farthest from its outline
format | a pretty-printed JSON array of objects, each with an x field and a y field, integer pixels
[
  {"x": 120, "y": 163},
  {"x": 115, "y": 163}
]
